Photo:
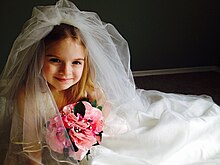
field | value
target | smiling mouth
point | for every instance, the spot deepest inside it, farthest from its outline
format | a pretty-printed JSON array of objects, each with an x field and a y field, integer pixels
[{"x": 64, "y": 79}]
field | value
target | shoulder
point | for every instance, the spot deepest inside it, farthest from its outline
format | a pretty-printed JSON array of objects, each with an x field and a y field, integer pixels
[{"x": 97, "y": 94}]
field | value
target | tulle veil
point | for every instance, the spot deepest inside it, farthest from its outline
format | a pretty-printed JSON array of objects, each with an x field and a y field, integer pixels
[
  {"x": 108, "y": 52},
  {"x": 133, "y": 111}
]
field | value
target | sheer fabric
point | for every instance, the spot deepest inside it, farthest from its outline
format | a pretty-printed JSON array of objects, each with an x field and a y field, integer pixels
[{"x": 143, "y": 127}]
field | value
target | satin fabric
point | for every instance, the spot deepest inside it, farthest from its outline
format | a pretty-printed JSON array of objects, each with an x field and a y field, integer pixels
[{"x": 173, "y": 130}]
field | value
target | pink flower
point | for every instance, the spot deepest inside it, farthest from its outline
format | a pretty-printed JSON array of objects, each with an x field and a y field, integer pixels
[
  {"x": 83, "y": 126},
  {"x": 83, "y": 140},
  {"x": 56, "y": 135},
  {"x": 95, "y": 116}
]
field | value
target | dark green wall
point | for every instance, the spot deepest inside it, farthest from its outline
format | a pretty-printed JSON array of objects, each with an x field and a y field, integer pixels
[{"x": 161, "y": 34}]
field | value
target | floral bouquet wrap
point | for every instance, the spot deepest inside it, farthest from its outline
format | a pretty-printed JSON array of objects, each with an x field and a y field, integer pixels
[{"x": 76, "y": 129}]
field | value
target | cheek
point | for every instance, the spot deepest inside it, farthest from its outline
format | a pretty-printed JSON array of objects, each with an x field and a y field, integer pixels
[
  {"x": 47, "y": 70},
  {"x": 78, "y": 72}
]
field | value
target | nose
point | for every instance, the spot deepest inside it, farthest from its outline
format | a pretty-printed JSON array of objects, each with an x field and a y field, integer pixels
[{"x": 65, "y": 69}]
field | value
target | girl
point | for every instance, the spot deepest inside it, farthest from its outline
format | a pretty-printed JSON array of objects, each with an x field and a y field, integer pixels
[
  {"x": 63, "y": 55},
  {"x": 66, "y": 66},
  {"x": 66, "y": 70}
]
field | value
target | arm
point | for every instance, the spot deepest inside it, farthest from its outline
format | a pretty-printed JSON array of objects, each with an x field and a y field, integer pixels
[{"x": 28, "y": 126}]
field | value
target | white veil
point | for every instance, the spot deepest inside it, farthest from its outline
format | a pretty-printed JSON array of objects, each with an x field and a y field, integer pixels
[
  {"x": 139, "y": 121},
  {"x": 108, "y": 53}
]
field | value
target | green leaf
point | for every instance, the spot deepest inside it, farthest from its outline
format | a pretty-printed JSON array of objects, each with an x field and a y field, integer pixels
[
  {"x": 79, "y": 108},
  {"x": 85, "y": 99},
  {"x": 94, "y": 103},
  {"x": 73, "y": 160},
  {"x": 100, "y": 108},
  {"x": 66, "y": 152},
  {"x": 66, "y": 133}
]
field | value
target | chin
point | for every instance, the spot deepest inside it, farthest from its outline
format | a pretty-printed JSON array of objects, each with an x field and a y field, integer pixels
[
  {"x": 65, "y": 88},
  {"x": 60, "y": 87}
]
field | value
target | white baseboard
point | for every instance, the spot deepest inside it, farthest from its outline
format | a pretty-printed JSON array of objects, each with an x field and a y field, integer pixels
[{"x": 175, "y": 71}]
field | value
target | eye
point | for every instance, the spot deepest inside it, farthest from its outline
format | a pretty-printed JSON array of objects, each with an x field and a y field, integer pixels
[
  {"x": 55, "y": 60},
  {"x": 77, "y": 62}
]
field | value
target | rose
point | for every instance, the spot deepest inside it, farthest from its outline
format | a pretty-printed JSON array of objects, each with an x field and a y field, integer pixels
[
  {"x": 95, "y": 115},
  {"x": 83, "y": 140},
  {"x": 83, "y": 130},
  {"x": 82, "y": 123},
  {"x": 92, "y": 115},
  {"x": 96, "y": 118},
  {"x": 56, "y": 135}
]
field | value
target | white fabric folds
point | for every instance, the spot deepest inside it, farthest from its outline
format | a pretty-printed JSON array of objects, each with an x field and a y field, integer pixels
[{"x": 142, "y": 128}]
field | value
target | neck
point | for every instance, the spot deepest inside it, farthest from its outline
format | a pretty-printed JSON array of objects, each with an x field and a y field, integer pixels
[{"x": 58, "y": 97}]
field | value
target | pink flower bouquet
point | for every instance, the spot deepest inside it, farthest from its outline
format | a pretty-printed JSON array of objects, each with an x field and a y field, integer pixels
[{"x": 76, "y": 129}]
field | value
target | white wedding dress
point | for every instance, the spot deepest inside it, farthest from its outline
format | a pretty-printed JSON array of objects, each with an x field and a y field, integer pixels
[
  {"x": 142, "y": 127},
  {"x": 172, "y": 130}
]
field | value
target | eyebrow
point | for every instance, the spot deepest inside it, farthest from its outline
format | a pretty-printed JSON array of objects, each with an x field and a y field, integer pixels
[{"x": 50, "y": 55}]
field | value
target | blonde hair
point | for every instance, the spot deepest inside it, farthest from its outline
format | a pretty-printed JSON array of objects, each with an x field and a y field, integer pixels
[{"x": 85, "y": 84}]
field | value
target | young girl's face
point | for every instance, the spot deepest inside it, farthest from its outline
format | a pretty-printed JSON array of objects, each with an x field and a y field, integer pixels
[{"x": 63, "y": 64}]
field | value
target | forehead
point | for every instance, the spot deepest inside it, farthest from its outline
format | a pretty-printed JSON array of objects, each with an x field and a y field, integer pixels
[{"x": 65, "y": 47}]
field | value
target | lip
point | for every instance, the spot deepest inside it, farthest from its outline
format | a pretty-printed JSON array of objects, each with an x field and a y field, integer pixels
[{"x": 64, "y": 79}]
